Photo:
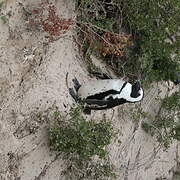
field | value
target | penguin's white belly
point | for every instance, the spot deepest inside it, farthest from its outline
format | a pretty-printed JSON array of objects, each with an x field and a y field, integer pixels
[{"x": 96, "y": 87}]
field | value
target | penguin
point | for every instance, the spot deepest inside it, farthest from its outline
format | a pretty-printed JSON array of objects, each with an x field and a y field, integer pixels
[{"x": 105, "y": 94}]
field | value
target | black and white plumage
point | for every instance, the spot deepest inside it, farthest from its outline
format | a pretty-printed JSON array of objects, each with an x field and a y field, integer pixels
[{"x": 104, "y": 94}]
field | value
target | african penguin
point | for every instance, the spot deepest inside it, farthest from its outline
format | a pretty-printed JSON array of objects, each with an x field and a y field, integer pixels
[{"x": 104, "y": 94}]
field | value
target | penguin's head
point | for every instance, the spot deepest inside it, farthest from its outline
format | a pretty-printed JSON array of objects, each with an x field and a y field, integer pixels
[{"x": 136, "y": 91}]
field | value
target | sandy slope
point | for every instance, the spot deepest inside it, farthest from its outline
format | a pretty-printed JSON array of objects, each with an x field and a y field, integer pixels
[{"x": 30, "y": 84}]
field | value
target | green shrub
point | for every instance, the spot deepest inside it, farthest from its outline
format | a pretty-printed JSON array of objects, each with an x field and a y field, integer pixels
[
  {"x": 172, "y": 103},
  {"x": 166, "y": 124},
  {"x": 79, "y": 141},
  {"x": 76, "y": 135},
  {"x": 97, "y": 24},
  {"x": 151, "y": 23}
]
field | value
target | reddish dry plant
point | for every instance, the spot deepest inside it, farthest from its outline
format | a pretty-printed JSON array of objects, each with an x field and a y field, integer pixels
[
  {"x": 53, "y": 24},
  {"x": 110, "y": 43},
  {"x": 115, "y": 44},
  {"x": 45, "y": 16}
]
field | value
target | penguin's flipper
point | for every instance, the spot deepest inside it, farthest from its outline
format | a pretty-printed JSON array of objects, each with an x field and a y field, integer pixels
[
  {"x": 77, "y": 85},
  {"x": 96, "y": 102},
  {"x": 104, "y": 104}
]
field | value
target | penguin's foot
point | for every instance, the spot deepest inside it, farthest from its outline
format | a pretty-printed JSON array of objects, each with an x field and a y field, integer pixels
[
  {"x": 77, "y": 85},
  {"x": 73, "y": 94}
]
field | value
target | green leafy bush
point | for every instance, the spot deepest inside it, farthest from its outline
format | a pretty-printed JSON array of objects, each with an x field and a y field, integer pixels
[
  {"x": 166, "y": 125},
  {"x": 76, "y": 135},
  {"x": 172, "y": 103},
  {"x": 153, "y": 25},
  {"x": 96, "y": 24},
  {"x": 79, "y": 141}
]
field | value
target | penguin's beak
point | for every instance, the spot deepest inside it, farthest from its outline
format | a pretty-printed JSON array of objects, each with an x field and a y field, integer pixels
[
  {"x": 136, "y": 89},
  {"x": 137, "y": 85}
]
